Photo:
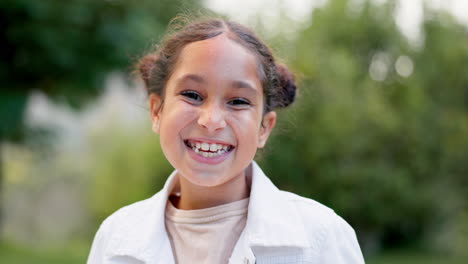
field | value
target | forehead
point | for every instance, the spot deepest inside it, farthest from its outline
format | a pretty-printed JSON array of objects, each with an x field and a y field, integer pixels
[{"x": 218, "y": 59}]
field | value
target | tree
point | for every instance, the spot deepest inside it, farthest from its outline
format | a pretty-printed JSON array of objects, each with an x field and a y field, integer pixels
[
  {"x": 66, "y": 48},
  {"x": 377, "y": 133}
]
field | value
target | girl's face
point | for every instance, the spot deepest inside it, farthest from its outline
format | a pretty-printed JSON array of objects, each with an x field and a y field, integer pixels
[{"x": 210, "y": 123}]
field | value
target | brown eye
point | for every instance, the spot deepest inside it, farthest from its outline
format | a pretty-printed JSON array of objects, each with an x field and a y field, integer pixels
[
  {"x": 239, "y": 102},
  {"x": 192, "y": 95}
]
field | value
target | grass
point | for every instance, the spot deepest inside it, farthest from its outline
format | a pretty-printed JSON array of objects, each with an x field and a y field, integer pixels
[
  {"x": 13, "y": 254},
  {"x": 414, "y": 257}
]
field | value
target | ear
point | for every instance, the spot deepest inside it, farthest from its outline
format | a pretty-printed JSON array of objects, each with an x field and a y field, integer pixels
[
  {"x": 155, "y": 102},
  {"x": 268, "y": 123}
]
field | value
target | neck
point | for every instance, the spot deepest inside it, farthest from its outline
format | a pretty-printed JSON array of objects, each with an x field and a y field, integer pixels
[{"x": 193, "y": 196}]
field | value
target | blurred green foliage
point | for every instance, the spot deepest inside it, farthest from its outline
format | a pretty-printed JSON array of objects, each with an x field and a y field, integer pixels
[
  {"x": 126, "y": 166},
  {"x": 387, "y": 151},
  {"x": 13, "y": 254},
  {"x": 66, "y": 48}
]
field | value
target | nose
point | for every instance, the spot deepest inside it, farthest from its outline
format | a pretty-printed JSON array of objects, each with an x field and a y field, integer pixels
[{"x": 212, "y": 117}]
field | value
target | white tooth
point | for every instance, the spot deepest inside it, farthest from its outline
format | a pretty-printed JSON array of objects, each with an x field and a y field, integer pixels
[
  {"x": 210, "y": 155},
  {"x": 193, "y": 148},
  {"x": 221, "y": 151},
  {"x": 205, "y": 146},
  {"x": 213, "y": 147},
  {"x": 196, "y": 150},
  {"x": 198, "y": 145},
  {"x": 225, "y": 148},
  {"x": 205, "y": 154},
  {"x": 220, "y": 146}
]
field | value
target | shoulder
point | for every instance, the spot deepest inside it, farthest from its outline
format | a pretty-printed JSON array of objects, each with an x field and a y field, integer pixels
[
  {"x": 128, "y": 215},
  {"x": 127, "y": 225},
  {"x": 133, "y": 213},
  {"x": 311, "y": 211},
  {"x": 334, "y": 238},
  {"x": 134, "y": 218}
]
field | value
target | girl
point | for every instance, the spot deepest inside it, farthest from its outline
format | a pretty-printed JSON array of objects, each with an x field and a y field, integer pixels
[{"x": 213, "y": 87}]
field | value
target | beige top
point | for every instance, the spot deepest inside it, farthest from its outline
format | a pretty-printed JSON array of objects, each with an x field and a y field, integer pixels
[{"x": 205, "y": 235}]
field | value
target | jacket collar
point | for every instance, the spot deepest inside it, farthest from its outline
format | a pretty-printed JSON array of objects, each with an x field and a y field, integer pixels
[{"x": 271, "y": 222}]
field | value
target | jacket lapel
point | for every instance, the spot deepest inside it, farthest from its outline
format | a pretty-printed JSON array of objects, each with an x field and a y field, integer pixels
[{"x": 273, "y": 228}]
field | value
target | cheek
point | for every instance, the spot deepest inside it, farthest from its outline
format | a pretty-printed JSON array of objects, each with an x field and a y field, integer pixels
[
  {"x": 246, "y": 128},
  {"x": 176, "y": 115}
]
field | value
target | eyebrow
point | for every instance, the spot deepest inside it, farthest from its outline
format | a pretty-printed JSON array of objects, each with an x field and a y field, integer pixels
[
  {"x": 243, "y": 84},
  {"x": 199, "y": 79},
  {"x": 191, "y": 77}
]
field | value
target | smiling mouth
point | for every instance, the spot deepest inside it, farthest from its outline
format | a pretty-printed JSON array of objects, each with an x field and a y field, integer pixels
[{"x": 208, "y": 150}]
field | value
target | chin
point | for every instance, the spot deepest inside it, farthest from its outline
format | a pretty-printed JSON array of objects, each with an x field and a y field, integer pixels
[{"x": 206, "y": 179}]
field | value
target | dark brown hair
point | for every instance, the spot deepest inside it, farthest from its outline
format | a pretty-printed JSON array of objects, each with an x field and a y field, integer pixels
[{"x": 156, "y": 67}]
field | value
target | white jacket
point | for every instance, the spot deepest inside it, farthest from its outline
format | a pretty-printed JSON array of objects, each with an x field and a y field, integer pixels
[{"x": 281, "y": 228}]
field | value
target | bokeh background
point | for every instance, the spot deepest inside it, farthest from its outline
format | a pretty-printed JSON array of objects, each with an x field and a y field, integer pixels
[{"x": 379, "y": 132}]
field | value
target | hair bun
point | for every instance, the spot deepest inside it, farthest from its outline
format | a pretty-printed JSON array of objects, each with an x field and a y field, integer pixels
[
  {"x": 146, "y": 66},
  {"x": 287, "y": 85}
]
